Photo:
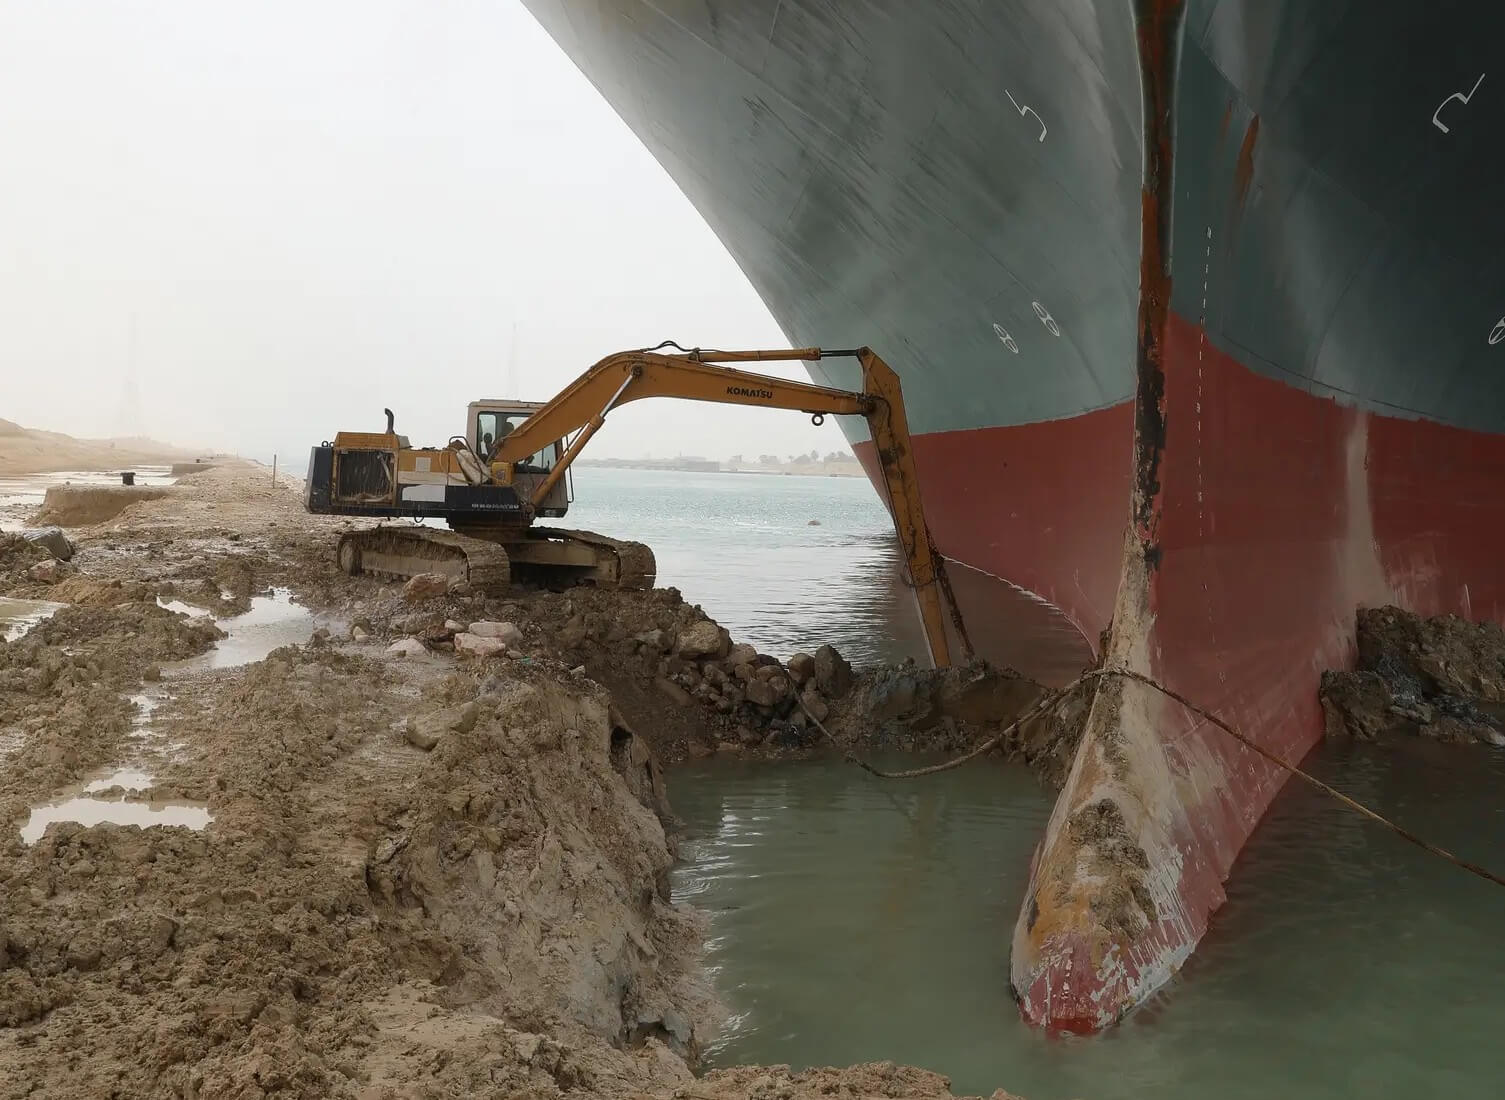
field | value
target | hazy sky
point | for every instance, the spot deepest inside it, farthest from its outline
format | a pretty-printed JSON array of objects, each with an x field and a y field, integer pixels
[{"x": 248, "y": 225}]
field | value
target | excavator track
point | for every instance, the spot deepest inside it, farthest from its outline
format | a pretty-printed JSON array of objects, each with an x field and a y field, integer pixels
[
  {"x": 634, "y": 564},
  {"x": 403, "y": 552}
]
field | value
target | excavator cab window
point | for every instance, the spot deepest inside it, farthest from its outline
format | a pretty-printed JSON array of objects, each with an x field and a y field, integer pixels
[{"x": 493, "y": 427}]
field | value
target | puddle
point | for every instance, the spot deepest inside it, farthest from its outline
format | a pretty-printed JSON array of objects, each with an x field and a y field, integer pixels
[
  {"x": 181, "y": 608},
  {"x": 272, "y": 621},
  {"x": 146, "y": 703},
  {"x": 19, "y": 616},
  {"x": 98, "y": 811},
  {"x": 20, "y": 496},
  {"x": 130, "y": 779}
]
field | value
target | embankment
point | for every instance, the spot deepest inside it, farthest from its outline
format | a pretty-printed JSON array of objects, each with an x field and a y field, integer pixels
[
  {"x": 30, "y": 451},
  {"x": 429, "y": 870}
]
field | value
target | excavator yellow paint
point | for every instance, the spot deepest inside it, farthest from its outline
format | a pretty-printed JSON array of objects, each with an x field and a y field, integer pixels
[
  {"x": 373, "y": 441},
  {"x": 578, "y": 411}
]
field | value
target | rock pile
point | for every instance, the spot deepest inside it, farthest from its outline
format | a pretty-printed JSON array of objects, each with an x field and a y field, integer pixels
[
  {"x": 1442, "y": 677},
  {"x": 690, "y": 659},
  {"x": 678, "y": 675},
  {"x": 17, "y": 555}
]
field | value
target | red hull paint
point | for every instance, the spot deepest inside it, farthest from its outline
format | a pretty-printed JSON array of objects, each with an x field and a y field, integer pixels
[
  {"x": 1281, "y": 514},
  {"x": 1041, "y": 506}
]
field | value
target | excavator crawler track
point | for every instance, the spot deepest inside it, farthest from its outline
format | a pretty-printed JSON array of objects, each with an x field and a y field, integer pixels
[
  {"x": 623, "y": 564},
  {"x": 403, "y": 552}
]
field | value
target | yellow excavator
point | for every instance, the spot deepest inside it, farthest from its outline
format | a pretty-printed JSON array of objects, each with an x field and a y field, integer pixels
[{"x": 508, "y": 469}]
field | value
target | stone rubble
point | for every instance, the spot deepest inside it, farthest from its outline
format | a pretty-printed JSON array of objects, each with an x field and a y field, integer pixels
[{"x": 1442, "y": 678}]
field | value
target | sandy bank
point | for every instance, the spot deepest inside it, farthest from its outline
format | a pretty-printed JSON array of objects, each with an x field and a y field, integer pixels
[
  {"x": 437, "y": 875},
  {"x": 31, "y": 451}
]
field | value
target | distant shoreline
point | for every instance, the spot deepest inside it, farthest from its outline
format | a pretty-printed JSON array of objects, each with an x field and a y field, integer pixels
[
  {"x": 25, "y": 451},
  {"x": 834, "y": 469}
]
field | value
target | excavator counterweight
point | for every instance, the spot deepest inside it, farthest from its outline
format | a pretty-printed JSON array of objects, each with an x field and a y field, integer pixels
[{"x": 507, "y": 469}]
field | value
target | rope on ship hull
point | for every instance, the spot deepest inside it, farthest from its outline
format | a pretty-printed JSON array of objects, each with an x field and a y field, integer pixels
[{"x": 1050, "y": 698}]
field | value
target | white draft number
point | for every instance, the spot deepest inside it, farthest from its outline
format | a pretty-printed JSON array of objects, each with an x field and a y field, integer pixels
[
  {"x": 1461, "y": 98},
  {"x": 1046, "y": 319},
  {"x": 1026, "y": 111}
]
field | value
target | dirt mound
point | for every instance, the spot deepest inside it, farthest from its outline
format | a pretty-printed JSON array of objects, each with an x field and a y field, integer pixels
[
  {"x": 88, "y": 591},
  {"x": 82, "y": 506},
  {"x": 1442, "y": 677},
  {"x": 30, "y": 450},
  {"x": 680, "y": 680},
  {"x": 874, "y": 1079},
  {"x": 18, "y": 554},
  {"x": 508, "y": 883},
  {"x": 440, "y": 875}
]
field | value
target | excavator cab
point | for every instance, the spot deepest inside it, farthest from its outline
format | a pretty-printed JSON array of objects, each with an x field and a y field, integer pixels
[
  {"x": 510, "y": 464},
  {"x": 490, "y": 421}
]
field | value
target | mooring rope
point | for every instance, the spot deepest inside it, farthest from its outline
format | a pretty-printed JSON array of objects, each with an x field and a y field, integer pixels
[{"x": 1050, "y": 697}]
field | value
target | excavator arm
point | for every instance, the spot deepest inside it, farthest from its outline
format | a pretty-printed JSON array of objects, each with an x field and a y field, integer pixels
[{"x": 700, "y": 376}]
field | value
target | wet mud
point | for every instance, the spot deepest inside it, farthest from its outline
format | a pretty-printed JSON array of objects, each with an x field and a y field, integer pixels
[
  {"x": 1442, "y": 678},
  {"x": 388, "y": 847}
]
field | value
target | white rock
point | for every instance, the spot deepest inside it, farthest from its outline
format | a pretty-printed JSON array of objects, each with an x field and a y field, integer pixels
[
  {"x": 506, "y": 632},
  {"x": 455, "y": 627},
  {"x": 48, "y": 572},
  {"x": 702, "y": 639},
  {"x": 478, "y": 645},
  {"x": 407, "y": 647}
]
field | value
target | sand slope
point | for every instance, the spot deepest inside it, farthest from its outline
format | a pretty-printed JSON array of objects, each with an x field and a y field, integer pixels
[{"x": 31, "y": 451}]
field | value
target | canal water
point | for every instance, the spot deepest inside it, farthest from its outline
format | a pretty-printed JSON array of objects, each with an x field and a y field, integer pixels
[
  {"x": 744, "y": 548},
  {"x": 854, "y": 919}
]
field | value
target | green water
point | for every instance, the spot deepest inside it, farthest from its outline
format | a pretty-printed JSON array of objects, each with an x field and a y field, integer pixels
[
  {"x": 742, "y": 546},
  {"x": 854, "y": 919}
]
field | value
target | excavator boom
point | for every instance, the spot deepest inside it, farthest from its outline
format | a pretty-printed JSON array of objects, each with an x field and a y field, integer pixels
[
  {"x": 490, "y": 490},
  {"x": 699, "y": 375}
]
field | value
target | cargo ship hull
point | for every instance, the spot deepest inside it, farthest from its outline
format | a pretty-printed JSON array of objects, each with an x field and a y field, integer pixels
[{"x": 1200, "y": 314}]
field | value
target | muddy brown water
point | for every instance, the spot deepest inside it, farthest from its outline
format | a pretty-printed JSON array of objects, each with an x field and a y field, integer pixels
[
  {"x": 19, "y": 616},
  {"x": 22, "y": 494},
  {"x": 853, "y": 920},
  {"x": 95, "y": 811},
  {"x": 272, "y": 620}
]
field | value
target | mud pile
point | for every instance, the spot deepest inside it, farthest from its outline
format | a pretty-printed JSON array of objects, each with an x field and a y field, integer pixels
[
  {"x": 17, "y": 555},
  {"x": 63, "y": 690},
  {"x": 367, "y": 918},
  {"x": 951, "y": 709},
  {"x": 681, "y": 680},
  {"x": 1442, "y": 677},
  {"x": 359, "y": 907},
  {"x": 80, "y": 505},
  {"x": 435, "y": 875}
]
